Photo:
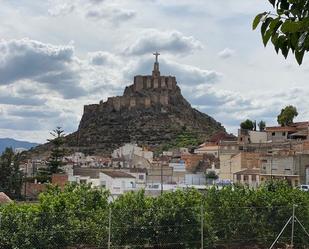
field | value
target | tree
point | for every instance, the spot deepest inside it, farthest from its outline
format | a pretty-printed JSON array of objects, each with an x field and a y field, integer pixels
[
  {"x": 10, "y": 174},
  {"x": 287, "y": 115},
  {"x": 287, "y": 28},
  {"x": 55, "y": 160},
  {"x": 247, "y": 125},
  {"x": 262, "y": 125},
  {"x": 212, "y": 175}
]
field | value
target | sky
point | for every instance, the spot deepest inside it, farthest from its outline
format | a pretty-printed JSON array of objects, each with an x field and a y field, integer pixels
[{"x": 58, "y": 55}]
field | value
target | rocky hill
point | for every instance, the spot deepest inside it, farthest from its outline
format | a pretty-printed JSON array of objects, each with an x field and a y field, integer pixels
[{"x": 152, "y": 111}]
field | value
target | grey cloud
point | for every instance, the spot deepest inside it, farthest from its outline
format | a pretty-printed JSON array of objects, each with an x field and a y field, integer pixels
[
  {"x": 23, "y": 124},
  {"x": 33, "y": 113},
  {"x": 226, "y": 53},
  {"x": 27, "y": 59},
  {"x": 173, "y": 42},
  {"x": 19, "y": 100},
  {"x": 115, "y": 15},
  {"x": 102, "y": 58},
  {"x": 61, "y": 9},
  {"x": 186, "y": 75},
  {"x": 96, "y": 1}
]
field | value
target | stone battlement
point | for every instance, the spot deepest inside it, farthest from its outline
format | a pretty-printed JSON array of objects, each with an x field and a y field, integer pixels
[
  {"x": 149, "y": 82},
  {"x": 129, "y": 102}
]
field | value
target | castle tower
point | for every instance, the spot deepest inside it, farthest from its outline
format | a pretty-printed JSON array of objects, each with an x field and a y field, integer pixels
[{"x": 156, "y": 69}]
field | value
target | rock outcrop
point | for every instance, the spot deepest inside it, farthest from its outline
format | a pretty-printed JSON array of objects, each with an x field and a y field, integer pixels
[{"x": 152, "y": 111}]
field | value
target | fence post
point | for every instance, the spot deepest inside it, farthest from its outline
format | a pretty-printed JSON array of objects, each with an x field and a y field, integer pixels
[
  {"x": 293, "y": 223},
  {"x": 109, "y": 228},
  {"x": 202, "y": 226}
]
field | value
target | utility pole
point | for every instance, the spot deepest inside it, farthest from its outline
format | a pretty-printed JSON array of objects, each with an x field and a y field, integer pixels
[
  {"x": 202, "y": 227},
  {"x": 161, "y": 178},
  {"x": 109, "y": 228}
]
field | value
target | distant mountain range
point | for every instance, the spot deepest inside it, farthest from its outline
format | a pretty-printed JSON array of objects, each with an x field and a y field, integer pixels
[{"x": 9, "y": 142}]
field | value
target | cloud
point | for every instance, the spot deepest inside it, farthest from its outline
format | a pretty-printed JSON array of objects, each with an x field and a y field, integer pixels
[
  {"x": 226, "y": 53},
  {"x": 61, "y": 9},
  {"x": 103, "y": 58},
  {"x": 16, "y": 100},
  {"x": 54, "y": 66},
  {"x": 173, "y": 42},
  {"x": 33, "y": 113},
  {"x": 91, "y": 9},
  {"x": 186, "y": 74},
  {"x": 113, "y": 14}
]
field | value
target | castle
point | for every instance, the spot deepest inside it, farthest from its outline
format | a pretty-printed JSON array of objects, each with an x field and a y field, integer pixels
[{"x": 138, "y": 95}]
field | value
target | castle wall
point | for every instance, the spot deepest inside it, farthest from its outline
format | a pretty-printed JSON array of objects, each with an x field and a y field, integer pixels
[
  {"x": 117, "y": 103},
  {"x": 138, "y": 83},
  {"x": 146, "y": 82},
  {"x": 164, "y": 99},
  {"x": 90, "y": 108},
  {"x": 163, "y": 84},
  {"x": 155, "y": 83},
  {"x": 132, "y": 102},
  {"x": 147, "y": 102}
]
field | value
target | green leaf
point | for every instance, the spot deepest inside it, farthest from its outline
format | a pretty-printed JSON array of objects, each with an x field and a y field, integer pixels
[
  {"x": 299, "y": 55},
  {"x": 265, "y": 25},
  {"x": 274, "y": 40},
  {"x": 285, "y": 5},
  {"x": 275, "y": 24},
  {"x": 266, "y": 37},
  {"x": 257, "y": 20},
  {"x": 290, "y": 26}
]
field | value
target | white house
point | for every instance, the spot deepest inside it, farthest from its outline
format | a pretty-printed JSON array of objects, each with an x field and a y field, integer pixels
[
  {"x": 129, "y": 150},
  {"x": 117, "y": 182}
]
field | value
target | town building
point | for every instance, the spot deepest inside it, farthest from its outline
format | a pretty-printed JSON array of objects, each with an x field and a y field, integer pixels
[{"x": 294, "y": 168}]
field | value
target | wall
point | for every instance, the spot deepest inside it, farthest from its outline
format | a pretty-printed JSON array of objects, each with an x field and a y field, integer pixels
[
  {"x": 208, "y": 149},
  {"x": 258, "y": 136},
  {"x": 118, "y": 186}
]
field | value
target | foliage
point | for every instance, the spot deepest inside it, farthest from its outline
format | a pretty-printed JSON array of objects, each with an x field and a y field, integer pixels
[
  {"x": 262, "y": 125},
  {"x": 247, "y": 125},
  {"x": 233, "y": 216},
  {"x": 287, "y": 115},
  {"x": 185, "y": 139},
  {"x": 212, "y": 175},
  {"x": 10, "y": 174},
  {"x": 287, "y": 28},
  {"x": 55, "y": 160},
  {"x": 76, "y": 215}
]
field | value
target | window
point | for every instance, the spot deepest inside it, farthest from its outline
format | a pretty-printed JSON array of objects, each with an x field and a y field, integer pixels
[
  {"x": 273, "y": 134},
  {"x": 246, "y": 178},
  {"x": 238, "y": 177},
  {"x": 103, "y": 184},
  {"x": 253, "y": 177},
  {"x": 283, "y": 133},
  {"x": 141, "y": 177}
]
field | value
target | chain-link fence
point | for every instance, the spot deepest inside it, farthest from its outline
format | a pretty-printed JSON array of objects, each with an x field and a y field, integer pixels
[{"x": 225, "y": 227}]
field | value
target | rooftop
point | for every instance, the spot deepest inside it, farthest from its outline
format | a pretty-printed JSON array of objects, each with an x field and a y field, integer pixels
[
  {"x": 4, "y": 199},
  {"x": 117, "y": 174},
  {"x": 280, "y": 128}
]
